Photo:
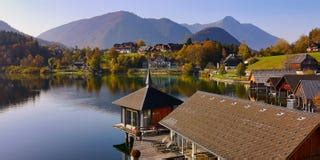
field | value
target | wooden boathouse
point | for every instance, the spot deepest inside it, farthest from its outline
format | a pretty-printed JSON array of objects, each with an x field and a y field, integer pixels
[
  {"x": 143, "y": 109},
  {"x": 231, "y": 128}
]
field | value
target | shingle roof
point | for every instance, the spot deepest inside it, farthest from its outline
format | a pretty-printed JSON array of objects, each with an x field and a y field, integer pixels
[
  {"x": 261, "y": 76},
  {"x": 237, "y": 129},
  {"x": 293, "y": 80},
  {"x": 298, "y": 58},
  {"x": 147, "y": 98},
  {"x": 310, "y": 88}
]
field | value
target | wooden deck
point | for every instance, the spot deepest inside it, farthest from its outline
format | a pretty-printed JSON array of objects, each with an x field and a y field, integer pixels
[{"x": 148, "y": 152}]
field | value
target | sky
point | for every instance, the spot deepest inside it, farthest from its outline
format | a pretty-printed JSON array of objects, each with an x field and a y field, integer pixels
[{"x": 286, "y": 19}]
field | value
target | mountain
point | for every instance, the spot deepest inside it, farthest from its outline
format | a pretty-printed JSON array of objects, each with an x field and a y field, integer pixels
[
  {"x": 216, "y": 34},
  {"x": 255, "y": 37},
  {"x": 6, "y": 27},
  {"x": 116, "y": 27}
]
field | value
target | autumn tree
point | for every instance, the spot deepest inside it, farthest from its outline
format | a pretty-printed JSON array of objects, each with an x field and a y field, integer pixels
[
  {"x": 301, "y": 45},
  {"x": 314, "y": 35},
  {"x": 51, "y": 63},
  {"x": 282, "y": 47},
  {"x": 94, "y": 60},
  {"x": 113, "y": 53},
  {"x": 140, "y": 43},
  {"x": 244, "y": 51}
]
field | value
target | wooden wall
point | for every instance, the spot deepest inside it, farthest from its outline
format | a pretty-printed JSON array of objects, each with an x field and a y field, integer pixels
[{"x": 310, "y": 149}]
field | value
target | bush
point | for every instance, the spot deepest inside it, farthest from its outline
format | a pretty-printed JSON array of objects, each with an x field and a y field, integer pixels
[
  {"x": 187, "y": 68},
  {"x": 222, "y": 69},
  {"x": 241, "y": 70},
  {"x": 252, "y": 60}
]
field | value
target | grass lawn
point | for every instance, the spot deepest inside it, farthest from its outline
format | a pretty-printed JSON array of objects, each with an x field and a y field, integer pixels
[
  {"x": 275, "y": 62},
  {"x": 231, "y": 74}
]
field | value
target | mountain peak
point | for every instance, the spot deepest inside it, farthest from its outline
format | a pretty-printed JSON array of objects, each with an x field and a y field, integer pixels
[{"x": 230, "y": 19}]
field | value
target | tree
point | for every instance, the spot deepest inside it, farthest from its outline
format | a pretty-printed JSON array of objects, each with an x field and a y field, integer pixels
[
  {"x": 314, "y": 35},
  {"x": 301, "y": 45},
  {"x": 94, "y": 60},
  {"x": 189, "y": 41},
  {"x": 51, "y": 63},
  {"x": 140, "y": 43},
  {"x": 222, "y": 69},
  {"x": 187, "y": 68},
  {"x": 241, "y": 70},
  {"x": 113, "y": 53},
  {"x": 244, "y": 51},
  {"x": 281, "y": 47}
]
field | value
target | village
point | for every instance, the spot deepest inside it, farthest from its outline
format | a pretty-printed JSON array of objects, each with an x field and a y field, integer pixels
[{"x": 211, "y": 126}]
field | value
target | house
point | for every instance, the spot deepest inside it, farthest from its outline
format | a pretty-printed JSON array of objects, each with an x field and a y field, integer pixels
[
  {"x": 170, "y": 47},
  {"x": 175, "y": 47},
  {"x": 288, "y": 83},
  {"x": 230, "y": 128},
  {"x": 302, "y": 62},
  {"x": 314, "y": 47},
  {"x": 232, "y": 61},
  {"x": 144, "y": 49},
  {"x": 306, "y": 94},
  {"x": 161, "y": 62},
  {"x": 143, "y": 109},
  {"x": 127, "y": 47},
  {"x": 259, "y": 78}
]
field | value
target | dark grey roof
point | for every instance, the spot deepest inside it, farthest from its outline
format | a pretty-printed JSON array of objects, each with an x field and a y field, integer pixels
[
  {"x": 262, "y": 76},
  {"x": 310, "y": 88},
  {"x": 293, "y": 80},
  {"x": 298, "y": 58},
  {"x": 240, "y": 129},
  {"x": 147, "y": 98}
]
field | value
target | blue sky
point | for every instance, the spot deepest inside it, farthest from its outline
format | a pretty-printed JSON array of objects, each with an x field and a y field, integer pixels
[{"x": 283, "y": 18}]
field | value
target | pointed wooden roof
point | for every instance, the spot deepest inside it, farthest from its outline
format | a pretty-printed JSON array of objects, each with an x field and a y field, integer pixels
[{"x": 147, "y": 98}]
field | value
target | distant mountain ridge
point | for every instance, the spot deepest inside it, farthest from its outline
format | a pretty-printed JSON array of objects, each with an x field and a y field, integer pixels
[
  {"x": 255, "y": 37},
  {"x": 6, "y": 27},
  {"x": 215, "y": 34},
  {"x": 116, "y": 27}
]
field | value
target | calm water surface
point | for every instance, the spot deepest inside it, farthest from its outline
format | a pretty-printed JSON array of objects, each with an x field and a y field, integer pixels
[{"x": 71, "y": 117}]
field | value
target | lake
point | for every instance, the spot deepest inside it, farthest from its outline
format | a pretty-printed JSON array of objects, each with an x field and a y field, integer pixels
[{"x": 71, "y": 117}]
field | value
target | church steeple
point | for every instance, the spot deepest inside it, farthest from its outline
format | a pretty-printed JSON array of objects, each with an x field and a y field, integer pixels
[{"x": 148, "y": 79}]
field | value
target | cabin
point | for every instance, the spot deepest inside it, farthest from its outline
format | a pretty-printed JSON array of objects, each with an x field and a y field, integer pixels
[
  {"x": 306, "y": 94},
  {"x": 232, "y": 61},
  {"x": 272, "y": 83},
  {"x": 302, "y": 62},
  {"x": 258, "y": 78},
  {"x": 231, "y": 128},
  {"x": 143, "y": 109},
  {"x": 313, "y": 47},
  {"x": 127, "y": 47},
  {"x": 288, "y": 83}
]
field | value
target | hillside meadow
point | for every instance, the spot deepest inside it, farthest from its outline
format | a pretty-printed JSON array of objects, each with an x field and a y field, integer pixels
[{"x": 275, "y": 62}]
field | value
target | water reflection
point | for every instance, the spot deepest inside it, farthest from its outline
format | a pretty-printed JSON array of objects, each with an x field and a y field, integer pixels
[{"x": 19, "y": 89}]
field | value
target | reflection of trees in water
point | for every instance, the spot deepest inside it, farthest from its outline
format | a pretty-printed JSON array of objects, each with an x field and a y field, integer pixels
[
  {"x": 18, "y": 89},
  {"x": 14, "y": 91}
]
